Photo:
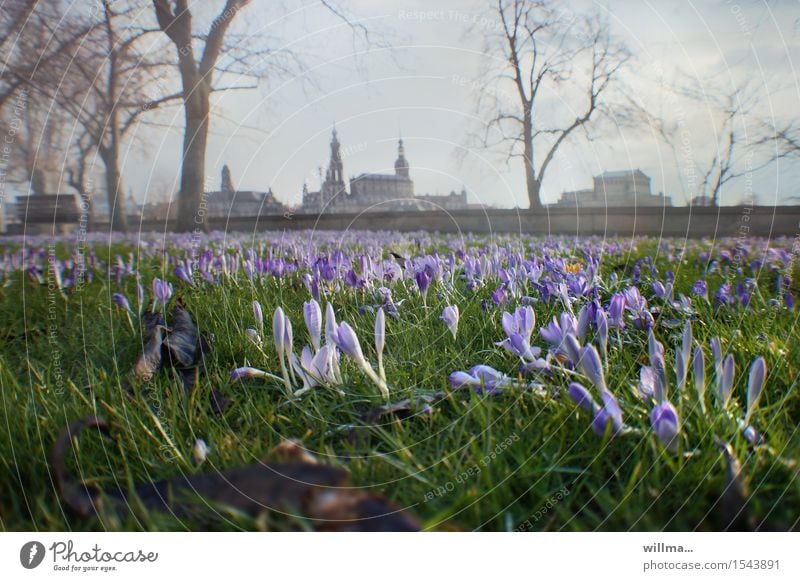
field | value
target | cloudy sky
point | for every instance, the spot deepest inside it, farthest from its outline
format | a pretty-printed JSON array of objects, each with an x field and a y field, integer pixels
[{"x": 422, "y": 75}]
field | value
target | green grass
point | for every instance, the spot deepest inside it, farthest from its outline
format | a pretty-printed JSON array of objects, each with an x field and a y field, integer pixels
[{"x": 65, "y": 355}]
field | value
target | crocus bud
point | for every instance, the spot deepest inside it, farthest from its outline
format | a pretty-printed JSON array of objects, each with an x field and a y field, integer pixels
[
  {"x": 380, "y": 332},
  {"x": 247, "y": 373},
  {"x": 699, "y": 364},
  {"x": 489, "y": 379},
  {"x": 279, "y": 330},
  {"x": 331, "y": 327},
  {"x": 121, "y": 301},
  {"x": 581, "y": 396},
  {"x": 647, "y": 383},
  {"x": 460, "y": 379},
  {"x": 610, "y": 413},
  {"x": 755, "y": 383},
  {"x": 140, "y": 295},
  {"x": 450, "y": 317},
  {"x": 162, "y": 290},
  {"x": 686, "y": 341},
  {"x": 572, "y": 347},
  {"x": 593, "y": 367},
  {"x": 583, "y": 322},
  {"x": 423, "y": 281},
  {"x": 716, "y": 351},
  {"x": 288, "y": 338},
  {"x": 254, "y": 337},
  {"x": 259, "y": 316},
  {"x": 666, "y": 425},
  {"x": 660, "y": 376},
  {"x": 313, "y": 317},
  {"x": 347, "y": 341},
  {"x": 199, "y": 451},
  {"x": 726, "y": 383},
  {"x": 601, "y": 320},
  {"x": 184, "y": 275},
  {"x": 681, "y": 367}
]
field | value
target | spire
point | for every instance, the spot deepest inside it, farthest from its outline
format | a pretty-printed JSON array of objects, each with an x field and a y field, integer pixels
[{"x": 401, "y": 167}]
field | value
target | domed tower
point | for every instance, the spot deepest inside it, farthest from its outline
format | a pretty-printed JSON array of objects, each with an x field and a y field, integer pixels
[{"x": 401, "y": 168}]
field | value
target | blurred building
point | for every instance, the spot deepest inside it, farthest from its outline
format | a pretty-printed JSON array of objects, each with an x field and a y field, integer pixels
[
  {"x": 228, "y": 202},
  {"x": 629, "y": 188}
]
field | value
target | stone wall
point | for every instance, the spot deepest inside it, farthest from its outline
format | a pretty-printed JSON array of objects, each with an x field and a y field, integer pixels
[{"x": 681, "y": 222}]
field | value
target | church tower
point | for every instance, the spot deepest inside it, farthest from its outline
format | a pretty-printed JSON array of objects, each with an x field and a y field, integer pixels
[
  {"x": 226, "y": 181},
  {"x": 334, "y": 177},
  {"x": 401, "y": 168}
]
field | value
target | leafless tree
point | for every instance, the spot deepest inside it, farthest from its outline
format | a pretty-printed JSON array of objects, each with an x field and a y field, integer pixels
[
  {"x": 561, "y": 68},
  {"x": 738, "y": 146},
  {"x": 40, "y": 132},
  {"x": 202, "y": 59},
  {"x": 103, "y": 81}
]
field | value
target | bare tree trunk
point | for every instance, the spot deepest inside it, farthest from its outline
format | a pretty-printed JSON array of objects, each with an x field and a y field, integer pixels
[
  {"x": 532, "y": 183},
  {"x": 118, "y": 217},
  {"x": 195, "y": 138}
]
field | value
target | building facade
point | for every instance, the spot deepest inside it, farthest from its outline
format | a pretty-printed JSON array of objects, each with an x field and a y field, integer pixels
[
  {"x": 629, "y": 188},
  {"x": 228, "y": 202}
]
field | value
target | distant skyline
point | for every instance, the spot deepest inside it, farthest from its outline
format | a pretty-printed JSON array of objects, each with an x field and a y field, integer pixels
[{"x": 424, "y": 85}]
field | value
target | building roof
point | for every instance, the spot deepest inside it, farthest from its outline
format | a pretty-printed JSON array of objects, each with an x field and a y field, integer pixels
[
  {"x": 621, "y": 174},
  {"x": 238, "y": 196},
  {"x": 385, "y": 177}
]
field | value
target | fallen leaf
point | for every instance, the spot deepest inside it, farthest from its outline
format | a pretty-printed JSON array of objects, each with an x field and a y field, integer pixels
[{"x": 300, "y": 487}]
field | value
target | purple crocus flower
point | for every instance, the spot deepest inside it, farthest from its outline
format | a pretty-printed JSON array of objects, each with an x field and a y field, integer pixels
[
  {"x": 666, "y": 425},
  {"x": 700, "y": 289},
  {"x": 423, "y": 282},
  {"x": 616, "y": 311},
  {"x": 723, "y": 295},
  {"x": 162, "y": 291},
  {"x": 557, "y": 328},
  {"x": 499, "y": 296},
  {"x": 450, "y": 318},
  {"x": 490, "y": 381},
  {"x": 121, "y": 301},
  {"x": 522, "y": 321}
]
